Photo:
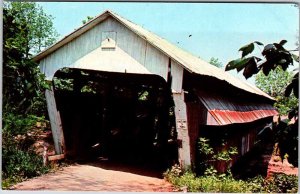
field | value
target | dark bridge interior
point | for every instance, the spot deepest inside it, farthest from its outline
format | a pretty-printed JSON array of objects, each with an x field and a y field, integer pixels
[{"x": 120, "y": 117}]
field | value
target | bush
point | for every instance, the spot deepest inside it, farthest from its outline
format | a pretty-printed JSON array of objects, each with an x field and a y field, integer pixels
[
  {"x": 282, "y": 183},
  {"x": 19, "y": 124},
  {"x": 213, "y": 183},
  {"x": 19, "y": 160},
  {"x": 225, "y": 183},
  {"x": 26, "y": 164}
]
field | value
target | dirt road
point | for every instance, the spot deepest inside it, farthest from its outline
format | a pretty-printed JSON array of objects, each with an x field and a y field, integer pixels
[{"x": 98, "y": 177}]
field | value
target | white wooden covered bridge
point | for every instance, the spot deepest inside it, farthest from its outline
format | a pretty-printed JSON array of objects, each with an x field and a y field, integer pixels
[{"x": 203, "y": 95}]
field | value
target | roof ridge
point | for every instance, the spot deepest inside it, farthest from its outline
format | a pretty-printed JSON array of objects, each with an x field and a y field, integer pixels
[{"x": 184, "y": 58}]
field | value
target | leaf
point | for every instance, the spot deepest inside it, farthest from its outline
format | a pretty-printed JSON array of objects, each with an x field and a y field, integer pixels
[
  {"x": 266, "y": 67},
  {"x": 236, "y": 64},
  {"x": 282, "y": 42},
  {"x": 279, "y": 47},
  {"x": 259, "y": 43},
  {"x": 269, "y": 48},
  {"x": 247, "y": 49},
  {"x": 250, "y": 68}
]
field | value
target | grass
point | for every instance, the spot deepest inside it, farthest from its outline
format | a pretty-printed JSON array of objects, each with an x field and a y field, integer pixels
[{"x": 225, "y": 183}]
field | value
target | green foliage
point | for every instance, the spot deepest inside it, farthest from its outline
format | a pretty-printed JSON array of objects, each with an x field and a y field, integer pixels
[
  {"x": 19, "y": 161},
  {"x": 274, "y": 54},
  {"x": 20, "y": 165},
  {"x": 143, "y": 96},
  {"x": 209, "y": 155},
  {"x": 222, "y": 183},
  {"x": 26, "y": 30},
  {"x": 18, "y": 124},
  {"x": 274, "y": 84},
  {"x": 204, "y": 147},
  {"x": 279, "y": 84},
  {"x": 226, "y": 155},
  {"x": 36, "y": 26},
  {"x": 88, "y": 18},
  {"x": 64, "y": 84},
  {"x": 175, "y": 171},
  {"x": 211, "y": 183},
  {"x": 281, "y": 183},
  {"x": 215, "y": 62}
]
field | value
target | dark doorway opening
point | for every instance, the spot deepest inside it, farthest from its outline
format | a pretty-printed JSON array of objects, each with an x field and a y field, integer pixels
[{"x": 118, "y": 117}]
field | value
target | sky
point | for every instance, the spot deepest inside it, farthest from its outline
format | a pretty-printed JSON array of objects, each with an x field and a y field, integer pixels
[{"x": 204, "y": 29}]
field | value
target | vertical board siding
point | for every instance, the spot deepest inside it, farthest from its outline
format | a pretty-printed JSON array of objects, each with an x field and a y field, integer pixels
[
  {"x": 127, "y": 40},
  {"x": 177, "y": 75},
  {"x": 77, "y": 48},
  {"x": 55, "y": 121},
  {"x": 155, "y": 61},
  {"x": 194, "y": 120},
  {"x": 182, "y": 131}
]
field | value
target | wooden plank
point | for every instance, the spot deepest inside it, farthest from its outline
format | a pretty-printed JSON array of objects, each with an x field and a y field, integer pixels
[
  {"x": 56, "y": 157},
  {"x": 55, "y": 122},
  {"x": 194, "y": 114},
  {"x": 177, "y": 76},
  {"x": 182, "y": 130},
  {"x": 156, "y": 62}
]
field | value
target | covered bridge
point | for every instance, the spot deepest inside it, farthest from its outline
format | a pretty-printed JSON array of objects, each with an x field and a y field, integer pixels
[{"x": 128, "y": 90}]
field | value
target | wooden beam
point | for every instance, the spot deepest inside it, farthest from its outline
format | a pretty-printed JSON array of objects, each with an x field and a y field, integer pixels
[
  {"x": 55, "y": 121},
  {"x": 182, "y": 130},
  {"x": 56, "y": 157}
]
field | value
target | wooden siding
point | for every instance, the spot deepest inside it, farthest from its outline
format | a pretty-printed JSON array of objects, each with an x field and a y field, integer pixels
[
  {"x": 194, "y": 119},
  {"x": 55, "y": 121},
  {"x": 244, "y": 140},
  {"x": 128, "y": 41},
  {"x": 182, "y": 130},
  {"x": 156, "y": 62},
  {"x": 177, "y": 76}
]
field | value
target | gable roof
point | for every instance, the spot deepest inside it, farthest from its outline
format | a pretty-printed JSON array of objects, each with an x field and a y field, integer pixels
[{"x": 188, "y": 61}]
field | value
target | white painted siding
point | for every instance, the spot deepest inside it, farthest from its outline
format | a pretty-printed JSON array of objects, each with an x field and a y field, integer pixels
[
  {"x": 182, "y": 130},
  {"x": 55, "y": 121},
  {"x": 177, "y": 75},
  {"x": 156, "y": 62},
  {"x": 129, "y": 42}
]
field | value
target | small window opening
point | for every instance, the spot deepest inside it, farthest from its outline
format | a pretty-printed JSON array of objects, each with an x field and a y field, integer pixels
[{"x": 109, "y": 41}]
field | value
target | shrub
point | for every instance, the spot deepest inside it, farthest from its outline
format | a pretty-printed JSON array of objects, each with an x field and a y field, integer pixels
[
  {"x": 211, "y": 183},
  {"x": 225, "y": 183},
  {"x": 282, "y": 183},
  {"x": 19, "y": 160},
  {"x": 210, "y": 156}
]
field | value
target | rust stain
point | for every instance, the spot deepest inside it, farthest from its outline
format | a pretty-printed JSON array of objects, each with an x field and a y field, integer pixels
[{"x": 225, "y": 117}]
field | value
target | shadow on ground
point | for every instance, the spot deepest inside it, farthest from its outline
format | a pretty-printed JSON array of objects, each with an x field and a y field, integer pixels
[{"x": 144, "y": 168}]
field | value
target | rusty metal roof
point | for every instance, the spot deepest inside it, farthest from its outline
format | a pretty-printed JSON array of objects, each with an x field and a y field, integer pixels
[
  {"x": 224, "y": 111},
  {"x": 188, "y": 61}
]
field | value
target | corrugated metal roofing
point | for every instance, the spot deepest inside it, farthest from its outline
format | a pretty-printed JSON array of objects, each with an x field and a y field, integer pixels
[
  {"x": 226, "y": 117},
  {"x": 226, "y": 111},
  {"x": 185, "y": 59}
]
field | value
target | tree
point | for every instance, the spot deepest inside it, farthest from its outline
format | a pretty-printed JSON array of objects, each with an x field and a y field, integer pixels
[
  {"x": 273, "y": 56},
  {"x": 39, "y": 32},
  {"x": 274, "y": 84},
  {"x": 88, "y": 18},
  {"x": 26, "y": 30},
  {"x": 215, "y": 62}
]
